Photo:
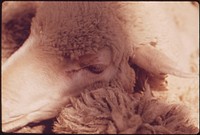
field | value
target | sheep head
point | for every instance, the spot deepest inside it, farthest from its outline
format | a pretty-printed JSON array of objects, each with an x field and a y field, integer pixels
[{"x": 66, "y": 51}]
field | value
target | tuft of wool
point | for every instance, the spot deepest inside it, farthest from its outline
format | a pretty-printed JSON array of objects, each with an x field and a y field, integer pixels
[{"x": 112, "y": 110}]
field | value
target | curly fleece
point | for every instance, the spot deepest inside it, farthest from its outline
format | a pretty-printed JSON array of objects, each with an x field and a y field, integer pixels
[{"x": 112, "y": 110}]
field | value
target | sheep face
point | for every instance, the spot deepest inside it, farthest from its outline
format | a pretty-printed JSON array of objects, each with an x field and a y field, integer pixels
[{"x": 64, "y": 53}]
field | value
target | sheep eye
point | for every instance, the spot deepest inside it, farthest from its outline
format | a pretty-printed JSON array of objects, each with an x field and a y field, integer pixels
[{"x": 96, "y": 69}]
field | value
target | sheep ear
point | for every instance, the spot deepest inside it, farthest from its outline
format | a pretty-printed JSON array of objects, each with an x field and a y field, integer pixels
[{"x": 155, "y": 62}]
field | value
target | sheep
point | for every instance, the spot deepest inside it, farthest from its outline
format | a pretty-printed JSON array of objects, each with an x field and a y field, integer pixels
[{"x": 71, "y": 47}]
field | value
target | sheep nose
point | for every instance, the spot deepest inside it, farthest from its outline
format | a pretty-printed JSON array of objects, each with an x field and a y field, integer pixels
[
  {"x": 17, "y": 84},
  {"x": 31, "y": 87},
  {"x": 18, "y": 70}
]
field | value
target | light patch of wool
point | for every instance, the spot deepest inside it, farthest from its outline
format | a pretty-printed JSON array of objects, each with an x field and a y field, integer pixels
[{"x": 174, "y": 32}]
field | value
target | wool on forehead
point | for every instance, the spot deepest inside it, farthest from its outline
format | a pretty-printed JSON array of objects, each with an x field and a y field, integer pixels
[{"x": 79, "y": 28}]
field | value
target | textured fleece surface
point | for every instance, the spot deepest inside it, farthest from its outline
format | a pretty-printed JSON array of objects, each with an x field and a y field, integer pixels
[{"x": 112, "y": 110}]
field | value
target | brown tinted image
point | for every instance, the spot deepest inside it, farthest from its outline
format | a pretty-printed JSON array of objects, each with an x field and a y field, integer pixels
[{"x": 100, "y": 67}]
